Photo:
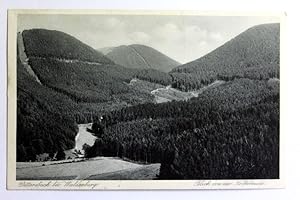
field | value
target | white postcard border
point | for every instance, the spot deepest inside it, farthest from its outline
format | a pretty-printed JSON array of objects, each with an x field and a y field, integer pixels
[{"x": 12, "y": 183}]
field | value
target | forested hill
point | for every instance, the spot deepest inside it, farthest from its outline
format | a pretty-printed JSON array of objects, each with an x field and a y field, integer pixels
[
  {"x": 56, "y": 44},
  {"x": 62, "y": 81},
  {"x": 68, "y": 66},
  {"x": 140, "y": 57},
  {"x": 257, "y": 46},
  {"x": 228, "y": 132},
  {"x": 252, "y": 54}
]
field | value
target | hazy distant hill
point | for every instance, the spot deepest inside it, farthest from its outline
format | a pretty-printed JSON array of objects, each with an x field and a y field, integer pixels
[
  {"x": 106, "y": 50},
  {"x": 252, "y": 54},
  {"x": 140, "y": 57}
]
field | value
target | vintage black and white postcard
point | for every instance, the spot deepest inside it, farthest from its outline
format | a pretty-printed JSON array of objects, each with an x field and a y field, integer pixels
[{"x": 144, "y": 100}]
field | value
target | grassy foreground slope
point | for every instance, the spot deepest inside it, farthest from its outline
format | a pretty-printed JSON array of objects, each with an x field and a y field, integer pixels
[{"x": 94, "y": 169}]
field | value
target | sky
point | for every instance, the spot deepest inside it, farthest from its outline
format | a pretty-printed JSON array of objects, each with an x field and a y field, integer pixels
[{"x": 183, "y": 38}]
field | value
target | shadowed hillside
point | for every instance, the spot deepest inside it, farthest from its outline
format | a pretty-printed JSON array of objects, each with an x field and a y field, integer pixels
[{"x": 45, "y": 120}]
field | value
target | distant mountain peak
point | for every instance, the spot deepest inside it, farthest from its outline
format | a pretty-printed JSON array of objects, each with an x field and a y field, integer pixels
[{"x": 139, "y": 56}]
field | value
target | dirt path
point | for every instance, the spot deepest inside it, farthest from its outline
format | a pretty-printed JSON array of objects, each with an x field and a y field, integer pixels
[{"x": 84, "y": 137}]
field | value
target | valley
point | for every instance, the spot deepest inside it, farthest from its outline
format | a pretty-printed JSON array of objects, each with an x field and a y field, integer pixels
[{"x": 102, "y": 168}]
